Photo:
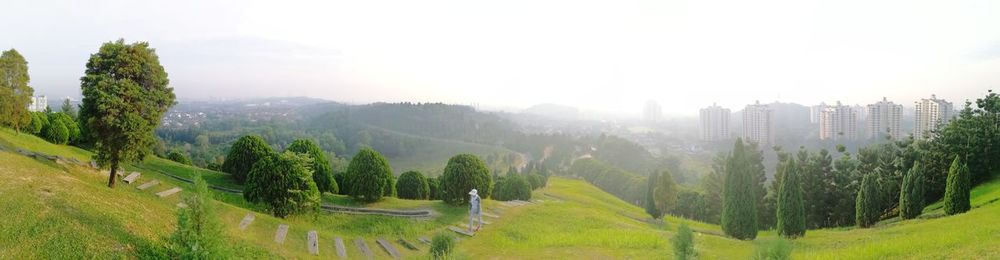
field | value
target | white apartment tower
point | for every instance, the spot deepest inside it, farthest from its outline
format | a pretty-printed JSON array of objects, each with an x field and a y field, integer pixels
[
  {"x": 815, "y": 111},
  {"x": 883, "y": 119},
  {"x": 38, "y": 104},
  {"x": 757, "y": 124},
  {"x": 714, "y": 123},
  {"x": 838, "y": 122},
  {"x": 930, "y": 114},
  {"x": 652, "y": 112}
]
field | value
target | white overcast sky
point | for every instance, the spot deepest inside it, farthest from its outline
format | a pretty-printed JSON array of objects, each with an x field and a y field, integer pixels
[{"x": 600, "y": 55}]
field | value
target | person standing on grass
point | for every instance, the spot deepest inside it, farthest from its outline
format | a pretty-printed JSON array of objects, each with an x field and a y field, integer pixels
[{"x": 475, "y": 210}]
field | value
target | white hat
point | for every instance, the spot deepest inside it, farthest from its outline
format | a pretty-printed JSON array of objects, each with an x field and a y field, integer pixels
[{"x": 474, "y": 192}]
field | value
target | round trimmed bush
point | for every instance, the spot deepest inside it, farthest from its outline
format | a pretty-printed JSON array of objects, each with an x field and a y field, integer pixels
[
  {"x": 368, "y": 176},
  {"x": 412, "y": 186},
  {"x": 178, "y": 157},
  {"x": 536, "y": 180},
  {"x": 434, "y": 185},
  {"x": 322, "y": 174},
  {"x": 243, "y": 154},
  {"x": 56, "y": 132},
  {"x": 512, "y": 187},
  {"x": 284, "y": 183},
  {"x": 463, "y": 173}
]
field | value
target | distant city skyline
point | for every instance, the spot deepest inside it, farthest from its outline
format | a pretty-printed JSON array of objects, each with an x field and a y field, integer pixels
[{"x": 606, "y": 56}]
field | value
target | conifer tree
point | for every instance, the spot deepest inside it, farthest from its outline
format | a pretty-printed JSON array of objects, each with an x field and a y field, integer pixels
[
  {"x": 911, "y": 196},
  {"x": 650, "y": 204},
  {"x": 739, "y": 209},
  {"x": 866, "y": 208},
  {"x": 791, "y": 214},
  {"x": 199, "y": 232},
  {"x": 956, "y": 194}
]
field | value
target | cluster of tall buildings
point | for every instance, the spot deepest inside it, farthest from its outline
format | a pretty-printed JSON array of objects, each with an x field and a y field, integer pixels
[
  {"x": 840, "y": 122},
  {"x": 38, "y": 104}
]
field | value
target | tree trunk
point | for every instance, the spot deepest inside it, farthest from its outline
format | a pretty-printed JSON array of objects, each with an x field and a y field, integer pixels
[{"x": 111, "y": 178}]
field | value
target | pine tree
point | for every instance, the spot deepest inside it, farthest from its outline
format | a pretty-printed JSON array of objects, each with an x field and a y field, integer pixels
[
  {"x": 650, "y": 201},
  {"x": 739, "y": 209},
  {"x": 665, "y": 194},
  {"x": 791, "y": 214},
  {"x": 911, "y": 196},
  {"x": 956, "y": 195},
  {"x": 866, "y": 208},
  {"x": 199, "y": 232}
]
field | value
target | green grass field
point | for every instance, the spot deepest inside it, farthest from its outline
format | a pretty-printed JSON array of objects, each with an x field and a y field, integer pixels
[{"x": 66, "y": 211}]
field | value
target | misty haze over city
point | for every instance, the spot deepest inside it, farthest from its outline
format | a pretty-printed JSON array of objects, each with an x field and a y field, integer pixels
[{"x": 601, "y": 56}]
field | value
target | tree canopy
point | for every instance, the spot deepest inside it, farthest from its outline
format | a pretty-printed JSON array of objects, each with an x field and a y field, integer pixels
[
  {"x": 368, "y": 176},
  {"x": 243, "y": 154},
  {"x": 125, "y": 94},
  {"x": 284, "y": 183},
  {"x": 412, "y": 185},
  {"x": 463, "y": 173},
  {"x": 322, "y": 173},
  {"x": 15, "y": 94},
  {"x": 739, "y": 204}
]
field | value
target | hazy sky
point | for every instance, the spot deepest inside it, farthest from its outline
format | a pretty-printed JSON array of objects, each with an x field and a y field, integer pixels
[{"x": 601, "y": 55}]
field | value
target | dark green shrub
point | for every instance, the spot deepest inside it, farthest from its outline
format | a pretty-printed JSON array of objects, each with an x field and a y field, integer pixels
[
  {"x": 322, "y": 174},
  {"x": 73, "y": 130},
  {"x": 536, "y": 181},
  {"x": 512, "y": 187},
  {"x": 38, "y": 122},
  {"x": 956, "y": 194},
  {"x": 179, "y": 157},
  {"x": 368, "y": 176},
  {"x": 463, "y": 173},
  {"x": 684, "y": 243},
  {"x": 778, "y": 249},
  {"x": 413, "y": 186},
  {"x": 441, "y": 245},
  {"x": 243, "y": 154},
  {"x": 434, "y": 187},
  {"x": 339, "y": 179},
  {"x": 911, "y": 195},
  {"x": 284, "y": 183},
  {"x": 56, "y": 132}
]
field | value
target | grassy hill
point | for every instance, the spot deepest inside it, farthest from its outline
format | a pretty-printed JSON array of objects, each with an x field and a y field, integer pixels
[{"x": 55, "y": 210}]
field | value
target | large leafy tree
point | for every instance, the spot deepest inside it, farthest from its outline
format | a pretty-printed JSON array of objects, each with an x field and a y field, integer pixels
[
  {"x": 791, "y": 214},
  {"x": 15, "y": 94},
  {"x": 199, "y": 233},
  {"x": 911, "y": 197},
  {"x": 412, "y": 185},
  {"x": 463, "y": 173},
  {"x": 125, "y": 94},
  {"x": 739, "y": 209},
  {"x": 665, "y": 193},
  {"x": 956, "y": 195},
  {"x": 243, "y": 154},
  {"x": 974, "y": 134},
  {"x": 284, "y": 183},
  {"x": 367, "y": 176},
  {"x": 322, "y": 172}
]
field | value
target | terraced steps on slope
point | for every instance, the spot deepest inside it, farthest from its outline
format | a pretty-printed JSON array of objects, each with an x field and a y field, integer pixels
[
  {"x": 363, "y": 247},
  {"x": 388, "y": 248},
  {"x": 341, "y": 249}
]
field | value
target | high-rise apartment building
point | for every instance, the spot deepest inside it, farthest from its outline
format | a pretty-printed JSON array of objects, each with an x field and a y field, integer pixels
[
  {"x": 883, "y": 120},
  {"x": 757, "y": 124},
  {"x": 930, "y": 114},
  {"x": 838, "y": 122},
  {"x": 714, "y": 123},
  {"x": 38, "y": 104},
  {"x": 815, "y": 111}
]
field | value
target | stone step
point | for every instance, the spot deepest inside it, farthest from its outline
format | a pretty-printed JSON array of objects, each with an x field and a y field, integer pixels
[
  {"x": 461, "y": 231},
  {"x": 360, "y": 243},
  {"x": 407, "y": 244},
  {"x": 149, "y": 184},
  {"x": 169, "y": 192},
  {"x": 489, "y": 215},
  {"x": 341, "y": 249},
  {"x": 424, "y": 240},
  {"x": 279, "y": 236},
  {"x": 182, "y": 205},
  {"x": 246, "y": 221},
  {"x": 132, "y": 177},
  {"x": 389, "y": 248},
  {"x": 313, "y": 242}
]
